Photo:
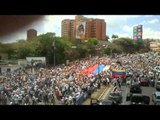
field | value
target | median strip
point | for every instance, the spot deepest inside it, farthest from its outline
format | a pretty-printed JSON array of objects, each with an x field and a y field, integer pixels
[{"x": 106, "y": 91}]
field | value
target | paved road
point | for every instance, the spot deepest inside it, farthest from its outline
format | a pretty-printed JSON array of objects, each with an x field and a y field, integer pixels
[
  {"x": 148, "y": 91},
  {"x": 145, "y": 91},
  {"x": 105, "y": 95},
  {"x": 125, "y": 90}
]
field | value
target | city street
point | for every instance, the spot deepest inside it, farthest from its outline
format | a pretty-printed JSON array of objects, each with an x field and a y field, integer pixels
[
  {"x": 125, "y": 89},
  {"x": 105, "y": 95},
  {"x": 145, "y": 91}
]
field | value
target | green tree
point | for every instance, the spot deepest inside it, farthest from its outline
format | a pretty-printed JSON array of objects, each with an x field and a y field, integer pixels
[
  {"x": 139, "y": 45},
  {"x": 93, "y": 41},
  {"x": 126, "y": 43},
  {"x": 114, "y": 36},
  {"x": 83, "y": 51},
  {"x": 107, "y": 50},
  {"x": 63, "y": 47},
  {"x": 44, "y": 47},
  {"x": 115, "y": 48}
]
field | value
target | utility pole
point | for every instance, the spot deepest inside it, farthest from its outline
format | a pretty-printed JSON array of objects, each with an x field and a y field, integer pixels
[{"x": 54, "y": 50}]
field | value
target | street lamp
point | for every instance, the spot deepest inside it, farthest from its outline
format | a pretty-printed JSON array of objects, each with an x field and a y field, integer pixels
[
  {"x": 54, "y": 50},
  {"x": 98, "y": 63}
]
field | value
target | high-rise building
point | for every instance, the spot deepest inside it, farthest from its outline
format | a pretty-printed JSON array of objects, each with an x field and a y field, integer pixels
[
  {"x": 96, "y": 28},
  {"x": 65, "y": 28},
  {"x": 84, "y": 28},
  {"x": 31, "y": 33},
  {"x": 72, "y": 26}
]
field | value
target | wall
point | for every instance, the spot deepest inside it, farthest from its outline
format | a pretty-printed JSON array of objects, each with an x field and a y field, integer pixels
[
  {"x": 3, "y": 56},
  {"x": 5, "y": 67}
]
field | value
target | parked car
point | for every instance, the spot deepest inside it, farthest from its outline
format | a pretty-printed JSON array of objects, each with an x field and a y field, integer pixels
[
  {"x": 116, "y": 96},
  {"x": 158, "y": 86},
  {"x": 102, "y": 102},
  {"x": 144, "y": 81},
  {"x": 135, "y": 88},
  {"x": 107, "y": 102},
  {"x": 138, "y": 99},
  {"x": 158, "y": 103},
  {"x": 156, "y": 97}
]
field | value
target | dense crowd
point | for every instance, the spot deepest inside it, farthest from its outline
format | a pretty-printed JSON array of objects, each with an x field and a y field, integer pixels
[{"x": 66, "y": 84}]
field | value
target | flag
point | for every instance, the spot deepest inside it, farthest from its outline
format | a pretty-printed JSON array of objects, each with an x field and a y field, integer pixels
[{"x": 118, "y": 73}]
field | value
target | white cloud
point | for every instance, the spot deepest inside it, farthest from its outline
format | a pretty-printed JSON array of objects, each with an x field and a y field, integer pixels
[
  {"x": 148, "y": 16},
  {"x": 150, "y": 33},
  {"x": 153, "y": 21},
  {"x": 142, "y": 23},
  {"x": 114, "y": 20},
  {"x": 121, "y": 35},
  {"x": 128, "y": 29},
  {"x": 52, "y": 23}
]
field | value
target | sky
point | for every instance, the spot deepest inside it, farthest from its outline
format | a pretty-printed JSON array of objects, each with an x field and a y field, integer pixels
[{"x": 122, "y": 25}]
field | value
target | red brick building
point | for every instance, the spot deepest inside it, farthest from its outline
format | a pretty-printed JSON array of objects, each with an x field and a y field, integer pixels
[
  {"x": 93, "y": 28},
  {"x": 96, "y": 28},
  {"x": 31, "y": 33}
]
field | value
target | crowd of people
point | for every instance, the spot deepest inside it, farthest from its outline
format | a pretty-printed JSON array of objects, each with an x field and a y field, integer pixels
[
  {"x": 65, "y": 85},
  {"x": 143, "y": 66},
  {"x": 46, "y": 86}
]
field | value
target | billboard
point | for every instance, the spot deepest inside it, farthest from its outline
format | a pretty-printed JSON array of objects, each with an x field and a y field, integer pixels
[
  {"x": 137, "y": 32},
  {"x": 80, "y": 30},
  {"x": 36, "y": 60}
]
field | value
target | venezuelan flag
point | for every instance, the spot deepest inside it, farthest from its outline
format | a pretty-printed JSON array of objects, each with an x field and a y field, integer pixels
[{"x": 118, "y": 73}]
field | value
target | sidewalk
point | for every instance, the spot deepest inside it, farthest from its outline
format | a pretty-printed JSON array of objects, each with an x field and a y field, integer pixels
[{"x": 97, "y": 94}]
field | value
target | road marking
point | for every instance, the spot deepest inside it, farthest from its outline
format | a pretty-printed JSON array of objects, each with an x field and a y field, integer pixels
[
  {"x": 102, "y": 93},
  {"x": 105, "y": 92},
  {"x": 126, "y": 91}
]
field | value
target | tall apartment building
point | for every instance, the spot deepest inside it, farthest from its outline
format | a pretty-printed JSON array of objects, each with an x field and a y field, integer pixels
[
  {"x": 72, "y": 26},
  {"x": 96, "y": 28},
  {"x": 84, "y": 28},
  {"x": 67, "y": 29},
  {"x": 31, "y": 33}
]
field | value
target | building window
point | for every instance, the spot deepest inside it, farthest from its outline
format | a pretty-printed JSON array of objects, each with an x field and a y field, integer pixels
[
  {"x": 93, "y": 36},
  {"x": 93, "y": 30}
]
